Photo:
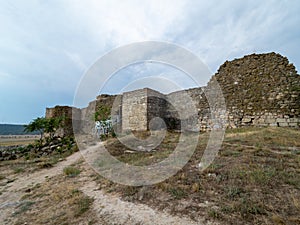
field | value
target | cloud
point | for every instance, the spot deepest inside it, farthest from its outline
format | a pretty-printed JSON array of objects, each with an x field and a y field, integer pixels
[
  {"x": 48, "y": 49},
  {"x": 121, "y": 22},
  {"x": 235, "y": 28},
  {"x": 76, "y": 59}
]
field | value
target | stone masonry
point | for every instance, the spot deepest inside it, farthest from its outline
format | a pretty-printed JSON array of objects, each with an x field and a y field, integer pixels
[{"x": 259, "y": 90}]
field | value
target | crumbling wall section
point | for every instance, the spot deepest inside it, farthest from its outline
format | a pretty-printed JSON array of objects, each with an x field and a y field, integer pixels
[
  {"x": 260, "y": 90},
  {"x": 66, "y": 113}
]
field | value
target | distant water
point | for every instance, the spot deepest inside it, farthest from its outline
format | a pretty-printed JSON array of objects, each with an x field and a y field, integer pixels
[{"x": 12, "y": 129}]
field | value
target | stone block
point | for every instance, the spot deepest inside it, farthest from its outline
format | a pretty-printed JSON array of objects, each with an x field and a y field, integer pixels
[
  {"x": 281, "y": 120},
  {"x": 283, "y": 124},
  {"x": 270, "y": 120},
  {"x": 273, "y": 124},
  {"x": 246, "y": 120},
  {"x": 293, "y": 125},
  {"x": 294, "y": 120}
]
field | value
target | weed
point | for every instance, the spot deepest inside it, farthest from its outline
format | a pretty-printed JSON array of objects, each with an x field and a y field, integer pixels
[
  {"x": 233, "y": 192},
  {"x": 177, "y": 192},
  {"x": 262, "y": 176},
  {"x": 295, "y": 88},
  {"x": 129, "y": 191},
  {"x": 23, "y": 207},
  {"x": 71, "y": 171},
  {"x": 227, "y": 209},
  {"x": 247, "y": 207},
  {"x": 75, "y": 191},
  {"x": 214, "y": 167},
  {"x": 259, "y": 145},
  {"x": 44, "y": 165},
  {"x": 26, "y": 156},
  {"x": 18, "y": 170},
  {"x": 82, "y": 205},
  {"x": 214, "y": 214},
  {"x": 290, "y": 178},
  {"x": 233, "y": 153}
]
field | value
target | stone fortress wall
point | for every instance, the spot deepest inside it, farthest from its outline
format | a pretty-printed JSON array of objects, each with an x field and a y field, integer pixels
[{"x": 259, "y": 90}]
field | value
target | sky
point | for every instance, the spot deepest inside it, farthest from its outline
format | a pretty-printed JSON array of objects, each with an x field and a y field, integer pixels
[{"x": 47, "y": 47}]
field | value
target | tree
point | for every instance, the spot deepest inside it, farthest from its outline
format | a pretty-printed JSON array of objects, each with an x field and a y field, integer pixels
[
  {"x": 52, "y": 124},
  {"x": 44, "y": 125},
  {"x": 37, "y": 124}
]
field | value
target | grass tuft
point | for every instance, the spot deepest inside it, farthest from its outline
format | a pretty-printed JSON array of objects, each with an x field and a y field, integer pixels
[
  {"x": 82, "y": 205},
  {"x": 23, "y": 207},
  {"x": 177, "y": 192},
  {"x": 71, "y": 171}
]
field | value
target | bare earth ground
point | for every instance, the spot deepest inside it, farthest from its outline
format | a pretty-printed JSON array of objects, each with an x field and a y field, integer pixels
[{"x": 107, "y": 208}]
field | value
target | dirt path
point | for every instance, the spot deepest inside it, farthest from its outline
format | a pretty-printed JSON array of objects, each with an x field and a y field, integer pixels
[
  {"x": 115, "y": 211},
  {"x": 108, "y": 208},
  {"x": 15, "y": 190}
]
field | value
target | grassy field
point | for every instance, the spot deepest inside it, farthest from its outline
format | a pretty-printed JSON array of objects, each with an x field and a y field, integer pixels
[
  {"x": 13, "y": 140},
  {"x": 255, "y": 179}
]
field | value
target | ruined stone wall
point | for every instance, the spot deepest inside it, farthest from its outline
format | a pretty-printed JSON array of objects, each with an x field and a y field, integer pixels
[
  {"x": 181, "y": 105},
  {"x": 66, "y": 112},
  {"x": 88, "y": 113},
  {"x": 81, "y": 120},
  {"x": 259, "y": 90},
  {"x": 87, "y": 118},
  {"x": 105, "y": 100}
]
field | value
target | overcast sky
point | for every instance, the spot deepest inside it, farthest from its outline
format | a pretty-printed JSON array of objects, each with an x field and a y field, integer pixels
[{"x": 47, "y": 46}]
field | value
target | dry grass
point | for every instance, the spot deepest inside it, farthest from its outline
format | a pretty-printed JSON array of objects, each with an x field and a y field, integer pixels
[
  {"x": 117, "y": 149},
  {"x": 13, "y": 140},
  {"x": 255, "y": 179},
  {"x": 56, "y": 201},
  {"x": 71, "y": 171},
  {"x": 30, "y": 163}
]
